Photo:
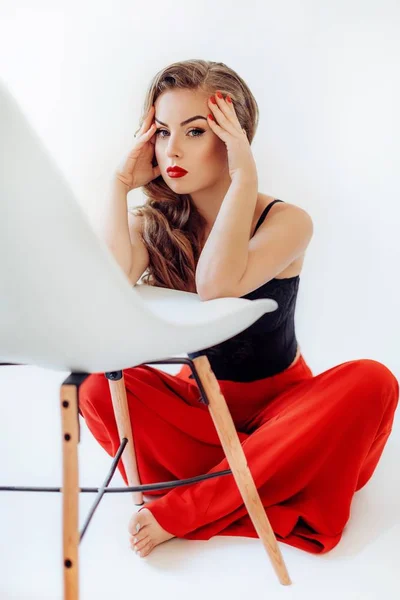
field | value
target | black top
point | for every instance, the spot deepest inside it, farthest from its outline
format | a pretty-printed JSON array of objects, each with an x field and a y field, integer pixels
[{"x": 269, "y": 345}]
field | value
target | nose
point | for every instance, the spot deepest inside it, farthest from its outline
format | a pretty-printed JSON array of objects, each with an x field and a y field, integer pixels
[{"x": 173, "y": 148}]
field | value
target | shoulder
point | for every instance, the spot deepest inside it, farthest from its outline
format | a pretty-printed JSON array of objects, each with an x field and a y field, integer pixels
[
  {"x": 265, "y": 200},
  {"x": 279, "y": 208},
  {"x": 285, "y": 219}
]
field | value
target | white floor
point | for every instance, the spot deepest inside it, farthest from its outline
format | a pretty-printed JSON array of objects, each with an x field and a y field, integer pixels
[{"x": 363, "y": 566}]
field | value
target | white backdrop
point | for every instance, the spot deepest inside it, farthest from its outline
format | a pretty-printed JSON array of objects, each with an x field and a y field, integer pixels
[{"x": 326, "y": 78}]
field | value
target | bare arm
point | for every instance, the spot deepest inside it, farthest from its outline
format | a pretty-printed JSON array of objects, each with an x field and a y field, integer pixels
[
  {"x": 139, "y": 253},
  {"x": 121, "y": 232},
  {"x": 114, "y": 226},
  {"x": 223, "y": 259}
]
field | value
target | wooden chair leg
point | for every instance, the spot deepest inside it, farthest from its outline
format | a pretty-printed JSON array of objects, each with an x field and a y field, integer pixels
[
  {"x": 70, "y": 490},
  {"x": 121, "y": 411},
  {"x": 238, "y": 464}
]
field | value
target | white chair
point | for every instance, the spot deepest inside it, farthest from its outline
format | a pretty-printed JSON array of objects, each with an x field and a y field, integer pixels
[{"x": 65, "y": 304}]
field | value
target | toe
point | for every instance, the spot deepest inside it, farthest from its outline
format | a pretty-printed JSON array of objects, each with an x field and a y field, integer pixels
[
  {"x": 135, "y": 526},
  {"x": 132, "y": 525},
  {"x": 138, "y": 537},
  {"x": 145, "y": 551},
  {"x": 144, "y": 516},
  {"x": 139, "y": 520},
  {"x": 143, "y": 543},
  {"x": 132, "y": 542}
]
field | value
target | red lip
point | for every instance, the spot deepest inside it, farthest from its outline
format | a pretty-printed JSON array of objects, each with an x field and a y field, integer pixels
[{"x": 176, "y": 170}]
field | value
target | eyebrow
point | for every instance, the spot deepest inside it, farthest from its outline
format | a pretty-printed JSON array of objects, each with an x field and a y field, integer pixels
[{"x": 183, "y": 122}]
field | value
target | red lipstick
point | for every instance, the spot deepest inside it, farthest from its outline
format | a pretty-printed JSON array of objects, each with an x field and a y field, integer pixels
[{"x": 176, "y": 172}]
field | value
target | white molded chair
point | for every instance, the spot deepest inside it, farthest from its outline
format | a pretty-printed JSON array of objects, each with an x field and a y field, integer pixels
[{"x": 65, "y": 304}]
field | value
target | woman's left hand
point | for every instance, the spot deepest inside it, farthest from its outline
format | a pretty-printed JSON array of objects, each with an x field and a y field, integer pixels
[{"x": 227, "y": 127}]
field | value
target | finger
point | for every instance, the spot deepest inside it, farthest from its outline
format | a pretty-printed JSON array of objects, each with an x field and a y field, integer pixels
[
  {"x": 221, "y": 119},
  {"x": 217, "y": 129},
  {"x": 150, "y": 132},
  {"x": 226, "y": 115},
  {"x": 146, "y": 121},
  {"x": 229, "y": 104},
  {"x": 144, "y": 137}
]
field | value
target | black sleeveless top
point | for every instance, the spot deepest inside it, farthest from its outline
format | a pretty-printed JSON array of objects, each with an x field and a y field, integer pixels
[{"x": 269, "y": 345}]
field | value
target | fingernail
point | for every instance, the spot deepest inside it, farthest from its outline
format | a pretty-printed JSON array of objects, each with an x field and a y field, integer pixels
[
  {"x": 213, "y": 100},
  {"x": 219, "y": 95},
  {"x": 228, "y": 98},
  {"x": 135, "y": 540},
  {"x": 137, "y": 527}
]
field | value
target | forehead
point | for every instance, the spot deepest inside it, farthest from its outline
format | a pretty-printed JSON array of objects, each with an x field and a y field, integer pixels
[{"x": 180, "y": 104}]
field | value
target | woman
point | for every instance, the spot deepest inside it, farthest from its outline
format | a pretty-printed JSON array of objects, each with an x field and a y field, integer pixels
[{"x": 311, "y": 441}]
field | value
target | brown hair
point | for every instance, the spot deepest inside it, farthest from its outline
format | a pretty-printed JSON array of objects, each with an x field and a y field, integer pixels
[{"x": 173, "y": 228}]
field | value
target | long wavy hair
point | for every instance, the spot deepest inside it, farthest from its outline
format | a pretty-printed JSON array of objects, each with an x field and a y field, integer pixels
[{"x": 173, "y": 228}]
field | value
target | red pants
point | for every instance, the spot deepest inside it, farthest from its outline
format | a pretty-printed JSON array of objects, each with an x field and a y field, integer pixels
[{"x": 310, "y": 441}]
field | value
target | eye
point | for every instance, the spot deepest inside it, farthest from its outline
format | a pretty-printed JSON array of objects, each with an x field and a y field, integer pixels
[{"x": 200, "y": 132}]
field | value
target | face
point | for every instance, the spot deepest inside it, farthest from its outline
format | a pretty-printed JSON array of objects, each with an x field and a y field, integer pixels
[{"x": 192, "y": 146}]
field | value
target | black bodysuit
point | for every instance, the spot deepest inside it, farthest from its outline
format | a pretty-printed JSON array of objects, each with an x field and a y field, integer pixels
[{"x": 269, "y": 345}]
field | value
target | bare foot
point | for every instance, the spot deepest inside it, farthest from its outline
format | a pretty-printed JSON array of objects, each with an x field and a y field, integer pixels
[{"x": 150, "y": 533}]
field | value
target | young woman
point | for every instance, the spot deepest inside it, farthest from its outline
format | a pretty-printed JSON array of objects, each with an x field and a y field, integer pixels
[{"x": 310, "y": 441}]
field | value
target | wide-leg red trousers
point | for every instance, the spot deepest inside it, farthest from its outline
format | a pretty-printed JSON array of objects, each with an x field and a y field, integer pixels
[{"x": 310, "y": 441}]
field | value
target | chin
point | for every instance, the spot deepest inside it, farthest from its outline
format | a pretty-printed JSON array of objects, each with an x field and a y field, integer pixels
[{"x": 178, "y": 182}]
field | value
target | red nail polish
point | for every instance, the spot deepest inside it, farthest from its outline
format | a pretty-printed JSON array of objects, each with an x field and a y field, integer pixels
[
  {"x": 211, "y": 117},
  {"x": 213, "y": 100},
  {"x": 228, "y": 98},
  {"x": 219, "y": 95}
]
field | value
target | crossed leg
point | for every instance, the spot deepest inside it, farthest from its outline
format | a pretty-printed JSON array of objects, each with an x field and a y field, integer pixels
[{"x": 308, "y": 450}]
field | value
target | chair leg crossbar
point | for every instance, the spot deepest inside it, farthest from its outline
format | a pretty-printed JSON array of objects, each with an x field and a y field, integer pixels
[{"x": 222, "y": 419}]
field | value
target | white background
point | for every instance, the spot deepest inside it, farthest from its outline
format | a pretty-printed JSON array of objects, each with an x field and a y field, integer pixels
[{"x": 326, "y": 78}]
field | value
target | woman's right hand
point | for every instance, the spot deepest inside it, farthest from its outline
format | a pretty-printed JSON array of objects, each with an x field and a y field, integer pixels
[{"x": 138, "y": 170}]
